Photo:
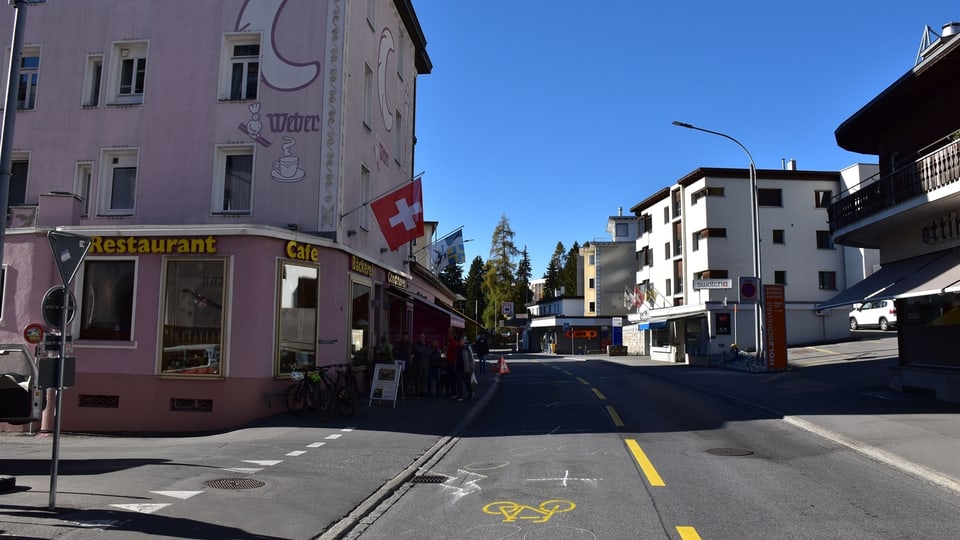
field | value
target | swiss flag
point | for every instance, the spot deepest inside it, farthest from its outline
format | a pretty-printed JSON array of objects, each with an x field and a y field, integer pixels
[{"x": 400, "y": 214}]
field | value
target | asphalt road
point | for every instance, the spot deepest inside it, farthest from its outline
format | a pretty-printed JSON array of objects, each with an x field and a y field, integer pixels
[{"x": 573, "y": 449}]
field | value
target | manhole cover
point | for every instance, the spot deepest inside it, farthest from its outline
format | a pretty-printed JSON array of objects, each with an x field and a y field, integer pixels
[
  {"x": 729, "y": 451},
  {"x": 234, "y": 483},
  {"x": 429, "y": 479}
]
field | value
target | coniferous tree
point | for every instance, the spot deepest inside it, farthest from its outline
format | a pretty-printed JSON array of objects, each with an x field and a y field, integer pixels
[
  {"x": 476, "y": 302},
  {"x": 552, "y": 283},
  {"x": 524, "y": 273},
  {"x": 571, "y": 271},
  {"x": 499, "y": 276}
]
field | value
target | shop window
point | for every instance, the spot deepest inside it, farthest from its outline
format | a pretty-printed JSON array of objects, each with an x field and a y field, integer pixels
[
  {"x": 722, "y": 320},
  {"x": 660, "y": 337},
  {"x": 297, "y": 317},
  {"x": 360, "y": 340},
  {"x": 192, "y": 314},
  {"x": 106, "y": 299}
]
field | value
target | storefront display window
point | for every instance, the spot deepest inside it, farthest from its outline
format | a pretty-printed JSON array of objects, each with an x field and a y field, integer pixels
[
  {"x": 193, "y": 311},
  {"x": 360, "y": 322},
  {"x": 660, "y": 337},
  {"x": 106, "y": 300},
  {"x": 297, "y": 316}
]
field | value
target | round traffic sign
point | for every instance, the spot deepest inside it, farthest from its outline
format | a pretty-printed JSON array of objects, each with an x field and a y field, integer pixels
[
  {"x": 52, "y": 308},
  {"x": 33, "y": 333}
]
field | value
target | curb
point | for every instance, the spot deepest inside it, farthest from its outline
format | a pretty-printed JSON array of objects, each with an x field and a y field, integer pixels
[{"x": 383, "y": 498}]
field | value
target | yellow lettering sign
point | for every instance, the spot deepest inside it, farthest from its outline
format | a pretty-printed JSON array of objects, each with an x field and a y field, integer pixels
[
  {"x": 397, "y": 280},
  {"x": 361, "y": 266},
  {"x": 302, "y": 252},
  {"x": 132, "y": 245}
]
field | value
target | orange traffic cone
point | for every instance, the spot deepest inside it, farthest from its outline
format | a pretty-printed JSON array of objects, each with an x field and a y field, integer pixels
[{"x": 502, "y": 367}]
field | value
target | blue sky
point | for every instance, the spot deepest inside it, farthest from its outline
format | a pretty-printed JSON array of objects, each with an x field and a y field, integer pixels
[{"x": 557, "y": 112}]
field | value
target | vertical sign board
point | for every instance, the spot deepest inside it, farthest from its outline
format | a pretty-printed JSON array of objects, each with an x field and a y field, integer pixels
[
  {"x": 776, "y": 322},
  {"x": 386, "y": 382}
]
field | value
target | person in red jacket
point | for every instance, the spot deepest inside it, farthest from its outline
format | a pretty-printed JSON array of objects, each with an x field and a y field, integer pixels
[{"x": 450, "y": 363}]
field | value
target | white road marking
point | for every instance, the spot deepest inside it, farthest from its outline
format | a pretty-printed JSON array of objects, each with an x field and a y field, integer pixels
[
  {"x": 244, "y": 470},
  {"x": 178, "y": 494},
  {"x": 565, "y": 479},
  {"x": 333, "y": 436},
  {"x": 296, "y": 453},
  {"x": 142, "y": 508},
  {"x": 316, "y": 445},
  {"x": 263, "y": 462}
]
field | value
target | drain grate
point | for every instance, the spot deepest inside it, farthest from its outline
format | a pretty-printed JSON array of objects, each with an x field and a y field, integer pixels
[
  {"x": 429, "y": 479},
  {"x": 234, "y": 483},
  {"x": 730, "y": 451}
]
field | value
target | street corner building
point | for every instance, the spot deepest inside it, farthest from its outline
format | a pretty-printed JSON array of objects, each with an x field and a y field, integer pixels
[{"x": 220, "y": 156}]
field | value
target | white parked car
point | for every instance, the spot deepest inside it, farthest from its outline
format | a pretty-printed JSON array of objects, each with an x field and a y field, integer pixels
[{"x": 877, "y": 314}]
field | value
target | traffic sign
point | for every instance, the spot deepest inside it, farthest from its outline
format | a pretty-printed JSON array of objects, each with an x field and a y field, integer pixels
[
  {"x": 33, "y": 333},
  {"x": 52, "y": 307},
  {"x": 68, "y": 252},
  {"x": 749, "y": 289}
]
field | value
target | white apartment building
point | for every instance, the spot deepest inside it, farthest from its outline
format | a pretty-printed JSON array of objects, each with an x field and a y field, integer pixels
[{"x": 695, "y": 242}]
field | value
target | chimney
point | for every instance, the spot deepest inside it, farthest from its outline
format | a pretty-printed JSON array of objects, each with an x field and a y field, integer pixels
[
  {"x": 950, "y": 29},
  {"x": 792, "y": 165}
]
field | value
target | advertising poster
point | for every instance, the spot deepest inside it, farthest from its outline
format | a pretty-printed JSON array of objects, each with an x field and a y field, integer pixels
[{"x": 386, "y": 381}]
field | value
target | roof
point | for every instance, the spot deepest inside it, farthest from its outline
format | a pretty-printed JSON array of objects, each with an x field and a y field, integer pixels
[{"x": 918, "y": 108}]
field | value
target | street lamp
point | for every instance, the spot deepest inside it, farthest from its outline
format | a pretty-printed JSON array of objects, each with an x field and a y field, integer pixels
[{"x": 756, "y": 233}]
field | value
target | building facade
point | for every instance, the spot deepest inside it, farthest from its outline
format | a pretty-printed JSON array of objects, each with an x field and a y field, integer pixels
[
  {"x": 221, "y": 156},
  {"x": 909, "y": 211},
  {"x": 695, "y": 243}
]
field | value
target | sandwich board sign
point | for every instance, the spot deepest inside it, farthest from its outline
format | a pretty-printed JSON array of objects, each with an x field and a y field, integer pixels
[{"x": 68, "y": 252}]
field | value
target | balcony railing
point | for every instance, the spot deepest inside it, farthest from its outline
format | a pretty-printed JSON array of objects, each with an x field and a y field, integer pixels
[{"x": 929, "y": 173}]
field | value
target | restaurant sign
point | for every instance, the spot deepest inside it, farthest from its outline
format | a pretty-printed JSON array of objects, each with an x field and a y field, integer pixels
[{"x": 153, "y": 245}]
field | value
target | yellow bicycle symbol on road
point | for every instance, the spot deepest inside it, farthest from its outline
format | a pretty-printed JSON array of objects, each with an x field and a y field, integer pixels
[{"x": 512, "y": 511}]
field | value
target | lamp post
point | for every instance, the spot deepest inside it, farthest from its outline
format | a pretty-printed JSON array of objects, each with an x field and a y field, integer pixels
[{"x": 755, "y": 225}]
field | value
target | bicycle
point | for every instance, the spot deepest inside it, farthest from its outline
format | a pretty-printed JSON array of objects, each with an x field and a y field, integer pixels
[
  {"x": 307, "y": 393},
  {"x": 344, "y": 391}
]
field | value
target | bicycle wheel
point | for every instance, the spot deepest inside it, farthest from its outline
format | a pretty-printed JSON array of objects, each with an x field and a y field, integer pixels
[
  {"x": 326, "y": 407},
  {"x": 295, "y": 398},
  {"x": 346, "y": 401}
]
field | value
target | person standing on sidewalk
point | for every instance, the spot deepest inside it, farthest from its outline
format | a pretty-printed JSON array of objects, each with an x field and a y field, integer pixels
[
  {"x": 421, "y": 362},
  {"x": 465, "y": 367},
  {"x": 483, "y": 348},
  {"x": 450, "y": 363},
  {"x": 436, "y": 364}
]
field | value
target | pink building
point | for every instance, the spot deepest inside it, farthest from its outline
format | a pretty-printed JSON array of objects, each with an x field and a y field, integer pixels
[{"x": 219, "y": 154}]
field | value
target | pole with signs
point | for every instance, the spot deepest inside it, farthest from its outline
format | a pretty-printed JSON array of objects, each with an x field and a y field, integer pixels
[{"x": 68, "y": 252}]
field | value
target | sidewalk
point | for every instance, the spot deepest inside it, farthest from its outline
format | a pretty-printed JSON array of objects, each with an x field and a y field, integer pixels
[{"x": 845, "y": 400}]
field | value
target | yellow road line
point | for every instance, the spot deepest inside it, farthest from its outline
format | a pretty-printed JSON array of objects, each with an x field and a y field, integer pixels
[
  {"x": 648, "y": 470},
  {"x": 614, "y": 416},
  {"x": 687, "y": 533},
  {"x": 583, "y": 381},
  {"x": 599, "y": 394}
]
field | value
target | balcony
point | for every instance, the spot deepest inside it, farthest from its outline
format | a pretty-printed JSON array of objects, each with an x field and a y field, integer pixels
[{"x": 878, "y": 193}]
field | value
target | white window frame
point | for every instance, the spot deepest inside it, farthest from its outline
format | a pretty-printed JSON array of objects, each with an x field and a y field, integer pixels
[
  {"x": 82, "y": 182},
  {"x": 364, "y": 197},
  {"x": 122, "y": 51},
  {"x": 222, "y": 152},
  {"x": 92, "y": 81},
  {"x": 227, "y": 61},
  {"x": 31, "y": 97},
  {"x": 367, "y": 95},
  {"x": 124, "y": 157}
]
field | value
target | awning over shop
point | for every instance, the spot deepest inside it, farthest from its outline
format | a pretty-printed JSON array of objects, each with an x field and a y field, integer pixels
[
  {"x": 887, "y": 276},
  {"x": 939, "y": 276},
  {"x": 647, "y": 325}
]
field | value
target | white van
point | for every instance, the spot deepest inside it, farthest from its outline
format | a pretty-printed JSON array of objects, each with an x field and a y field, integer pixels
[{"x": 876, "y": 314}]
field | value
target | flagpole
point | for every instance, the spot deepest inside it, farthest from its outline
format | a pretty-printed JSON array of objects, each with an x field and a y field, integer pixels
[{"x": 366, "y": 203}]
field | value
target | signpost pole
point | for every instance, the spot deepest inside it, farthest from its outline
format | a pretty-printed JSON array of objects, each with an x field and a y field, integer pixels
[{"x": 55, "y": 459}]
